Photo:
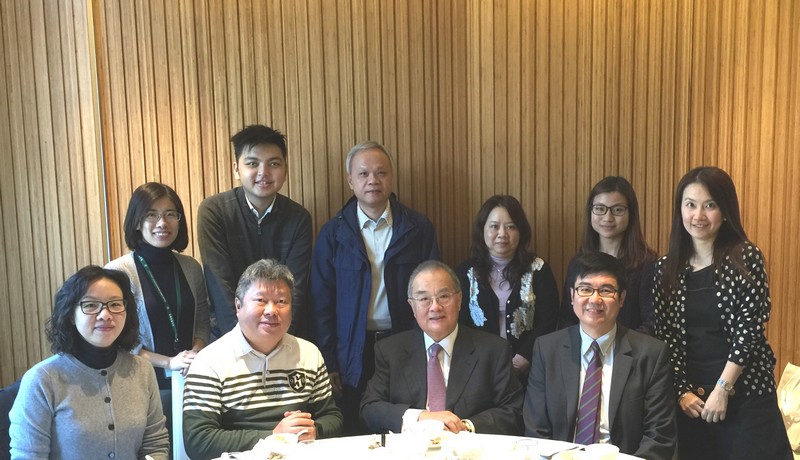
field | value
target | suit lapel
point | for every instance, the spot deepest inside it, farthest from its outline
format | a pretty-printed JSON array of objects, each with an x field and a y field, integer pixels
[
  {"x": 413, "y": 361},
  {"x": 462, "y": 363},
  {"x": 623, "y": 360},
  {"x": 571, "y": 377}
]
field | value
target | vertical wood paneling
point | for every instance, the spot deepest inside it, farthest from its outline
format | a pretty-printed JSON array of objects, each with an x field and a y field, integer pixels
[
  {"x": 535, "y": 98},
  {"x": 52, "y": 207}
]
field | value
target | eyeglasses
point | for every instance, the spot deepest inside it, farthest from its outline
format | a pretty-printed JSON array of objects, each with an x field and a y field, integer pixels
[
  {"x": 169, "y": 216},
  {"x": 94, "y": 307},
  {"x": 601, "y": 210},
  {"x": 604, "y": 292},
  {"x": 444, "y": 299}
]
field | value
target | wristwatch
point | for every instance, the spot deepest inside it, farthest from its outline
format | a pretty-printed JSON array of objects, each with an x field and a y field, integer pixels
[{"x": 727, "y": 386}]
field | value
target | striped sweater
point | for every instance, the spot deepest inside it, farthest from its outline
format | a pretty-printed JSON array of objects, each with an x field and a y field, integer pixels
[{"x": 235, "y": 395}]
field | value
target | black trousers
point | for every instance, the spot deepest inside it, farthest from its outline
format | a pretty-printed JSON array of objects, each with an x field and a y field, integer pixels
[
  {"x": 753, "y": 428},
  {"x": 350, "y": 401}
]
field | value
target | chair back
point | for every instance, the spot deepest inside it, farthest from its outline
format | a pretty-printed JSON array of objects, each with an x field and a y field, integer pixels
[{"x": 7, "y": 397}]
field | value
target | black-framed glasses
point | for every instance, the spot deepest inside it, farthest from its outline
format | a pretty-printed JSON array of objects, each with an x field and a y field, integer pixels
[
  {"x": 169, "y": 216},
  {"x": 94, "y": 307},
  {"x": 601, "y": 210},
  {"x": 444, "y": 299},
  {"x": 606, "y": 292}
]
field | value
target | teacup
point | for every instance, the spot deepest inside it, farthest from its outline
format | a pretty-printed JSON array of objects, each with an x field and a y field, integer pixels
[
  {"x": 600, "y": 452},
  {"x": 417, "y": 437},
  {"x": 464, "y": 446}
]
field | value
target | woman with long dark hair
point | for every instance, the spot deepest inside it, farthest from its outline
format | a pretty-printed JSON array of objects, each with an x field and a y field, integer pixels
[
  {"x": 92, "y": 398},
  {"x": 611, "y": 224},
  {"x": 711, "y": 302},
  {"x": 508, "y": 290}
]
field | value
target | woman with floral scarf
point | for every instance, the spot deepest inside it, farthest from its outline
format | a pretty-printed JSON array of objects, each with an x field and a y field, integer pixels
[{"x": 507, "y": 290}]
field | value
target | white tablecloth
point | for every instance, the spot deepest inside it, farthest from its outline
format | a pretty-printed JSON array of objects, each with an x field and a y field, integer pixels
[{"x": 398, "y": 447}]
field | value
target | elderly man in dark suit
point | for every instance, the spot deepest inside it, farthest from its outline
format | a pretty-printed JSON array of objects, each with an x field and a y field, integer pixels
[
  {"x": 600, "y": 382},
  {"x": 467, "y": 383}
]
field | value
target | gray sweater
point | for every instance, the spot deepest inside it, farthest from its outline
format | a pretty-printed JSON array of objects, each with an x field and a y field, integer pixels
[{"x": 67, "y": 410}]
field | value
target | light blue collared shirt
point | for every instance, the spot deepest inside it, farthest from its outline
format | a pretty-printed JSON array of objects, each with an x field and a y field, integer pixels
[{"x": 376, "y": 235}]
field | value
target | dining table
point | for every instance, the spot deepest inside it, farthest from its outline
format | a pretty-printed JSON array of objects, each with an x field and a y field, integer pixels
[{"x": 463, "y": 446}]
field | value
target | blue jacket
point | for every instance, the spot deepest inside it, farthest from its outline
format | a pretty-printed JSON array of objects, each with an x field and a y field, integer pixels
[{"x": 341, "y": 283}]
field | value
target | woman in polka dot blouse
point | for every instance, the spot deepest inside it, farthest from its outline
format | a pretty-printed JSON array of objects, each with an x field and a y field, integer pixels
[{"x": 711, "y": 300}]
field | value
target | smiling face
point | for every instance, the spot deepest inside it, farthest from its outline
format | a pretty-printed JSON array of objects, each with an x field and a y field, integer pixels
[
  {"x": 436, "y": 320},
  {"x": 596, "y": 314},
  {"x": 702, "y": 218},
  {"x": 500, "y": 234},
  {"x": 162, "y": 233},
  {"x": 102, "y": 329},
  {"x": 370, "y": 179},
  {"x": 262, "y": 171},
  {"x": 265, "y": 314},
  {"x": 609, "y": 226}
]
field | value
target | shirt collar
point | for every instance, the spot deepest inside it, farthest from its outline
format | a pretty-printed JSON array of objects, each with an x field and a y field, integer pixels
[
  {"x": 446, "y": 343},
  {"x": 606, "y": 341},
  {"x": 242, "y": 347},
  {"x": 363, "y": 218},
  {"x": 255, "y": 211}
]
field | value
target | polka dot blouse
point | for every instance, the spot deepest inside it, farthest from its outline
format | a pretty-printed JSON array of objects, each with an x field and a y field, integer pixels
[{"x": 744, "y": 306}]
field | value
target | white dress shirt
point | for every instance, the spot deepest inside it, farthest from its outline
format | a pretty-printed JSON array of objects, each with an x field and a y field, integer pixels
[
  {"x": 255, "y": 211},
  {"x": 412, "y": 415},
  {"x": 606, "y": 343}
]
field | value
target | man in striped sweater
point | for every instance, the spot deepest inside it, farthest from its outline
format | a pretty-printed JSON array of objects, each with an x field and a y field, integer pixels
[{"x": 257, "y": 379}]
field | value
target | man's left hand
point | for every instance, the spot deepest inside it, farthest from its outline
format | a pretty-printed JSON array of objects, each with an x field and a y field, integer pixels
[
  {"x": 297, "y": 422},
  {"x": 452, "y": 422}
]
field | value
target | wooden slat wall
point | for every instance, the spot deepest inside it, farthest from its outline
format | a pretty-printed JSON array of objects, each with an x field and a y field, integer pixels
[
  {"x": 534, "y": 98},
  {"x": 52, "y": 208}
]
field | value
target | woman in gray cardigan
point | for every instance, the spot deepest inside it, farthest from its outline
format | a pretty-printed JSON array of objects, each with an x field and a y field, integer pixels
[
  {"x": 92, "y": 398},
  {"x": 169, "y": 287}
]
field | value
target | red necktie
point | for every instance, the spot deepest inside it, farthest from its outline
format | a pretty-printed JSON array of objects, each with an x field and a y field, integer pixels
[
  {"x": 588, "y": 428},
  {"x": 436, "y": 388}
]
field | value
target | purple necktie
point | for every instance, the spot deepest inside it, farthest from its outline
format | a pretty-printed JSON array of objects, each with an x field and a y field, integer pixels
[
  {"x": 588, "y": 429},
  {"x": 436, "y": 389}
]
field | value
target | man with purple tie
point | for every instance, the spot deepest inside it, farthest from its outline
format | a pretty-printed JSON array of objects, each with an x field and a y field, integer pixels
[
  {"x": 597, "y": 382},
  {"x": 457, "y": 375}
]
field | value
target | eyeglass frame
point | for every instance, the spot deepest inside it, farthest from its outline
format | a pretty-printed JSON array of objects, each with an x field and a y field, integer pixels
[
  {"x": 422, "y": 300},
  {"x": 103, "y": 305},
  {"x": 597, "y": 290},
  {"x": 608, "y": 209},
  {"x": 153, "y": 217}
]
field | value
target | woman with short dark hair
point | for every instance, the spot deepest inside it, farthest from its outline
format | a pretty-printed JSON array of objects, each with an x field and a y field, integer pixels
[
  {"x": 506, "y": 289},
  {"x": 168, "y": 287},
  {"x": 711, "y": 302},
  {"x": 92, "y": 396}
]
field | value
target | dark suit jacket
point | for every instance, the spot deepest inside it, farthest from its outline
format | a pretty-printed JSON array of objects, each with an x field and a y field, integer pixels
[
  {"x": 480, "y": 386},
  {"x": 641, "y": 407}
]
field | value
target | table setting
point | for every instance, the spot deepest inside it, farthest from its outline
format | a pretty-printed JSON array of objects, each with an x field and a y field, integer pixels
[{"x": 424, "y": 445}]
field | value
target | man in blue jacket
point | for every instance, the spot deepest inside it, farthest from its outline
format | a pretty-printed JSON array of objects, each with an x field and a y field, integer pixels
[{"x": 361, "y": 265}]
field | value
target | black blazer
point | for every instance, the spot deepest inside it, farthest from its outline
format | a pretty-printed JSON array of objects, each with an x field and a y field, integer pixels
[{"x": 480, "y": 386}]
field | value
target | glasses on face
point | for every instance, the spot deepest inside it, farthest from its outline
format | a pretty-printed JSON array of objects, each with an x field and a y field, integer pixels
[
  {"x": 605, "y": 292},
  {"x": 94, "y": 307},
  {"x": 601, "y": 210},
  {"x": 169, "y": 216},
  {"x": 444, "y": 299}
]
